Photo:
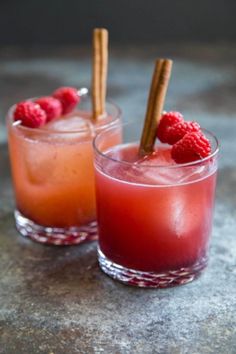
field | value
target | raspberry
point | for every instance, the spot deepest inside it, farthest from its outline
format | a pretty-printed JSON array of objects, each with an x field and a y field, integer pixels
[
  {"x": 178, "y": 131},
  {"x": 30, "y": 114},
  {"x": 51, "y": 106},
  {"x": 69, "y": 98},
  {"x": 193, "y": 146},
  {"x": 167, "y": 120}
]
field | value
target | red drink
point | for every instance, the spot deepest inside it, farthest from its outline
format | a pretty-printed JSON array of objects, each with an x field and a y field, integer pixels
[{"x": 154, "y": 216}]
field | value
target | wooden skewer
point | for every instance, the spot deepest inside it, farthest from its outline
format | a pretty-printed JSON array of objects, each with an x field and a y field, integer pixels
[
  {"x": 159, "y": 85},
  {"x": 99, "y": 77}
]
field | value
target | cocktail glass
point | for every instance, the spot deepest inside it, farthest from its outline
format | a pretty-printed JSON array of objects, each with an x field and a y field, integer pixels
[
  {"x": 154, "y": 216},
  {"x": 53, "y": 176}
]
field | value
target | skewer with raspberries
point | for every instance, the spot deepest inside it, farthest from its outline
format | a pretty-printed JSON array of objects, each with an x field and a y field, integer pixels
[{"x": 36, "y": 113}]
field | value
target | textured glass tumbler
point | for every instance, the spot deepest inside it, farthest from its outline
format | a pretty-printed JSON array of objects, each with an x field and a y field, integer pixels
[
  {"x": 53, "y": 176},
  {"x": 154, "y": 221}
]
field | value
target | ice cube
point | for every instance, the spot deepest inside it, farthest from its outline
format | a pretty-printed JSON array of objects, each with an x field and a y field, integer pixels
[
  {"x": 72, "y": 123},
  {"x": 173, "y": 176},
  {"x": 156, "y": 169},
  {"x": 81, "y": 126}
]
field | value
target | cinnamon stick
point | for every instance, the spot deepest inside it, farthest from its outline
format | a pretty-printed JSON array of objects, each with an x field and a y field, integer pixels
[
  {"x": 104, "y": 67},
  {"x": 149, "y": 121},
  {"x": 159, "y": 85},
  {"x": 95, "y": 74},
  {"x": 99, "y": 77}
]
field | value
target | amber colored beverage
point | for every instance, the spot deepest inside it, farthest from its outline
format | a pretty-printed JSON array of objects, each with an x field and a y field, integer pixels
[
  {"x": 154, "y": 216},
  {"x": 53, "y": 177}
]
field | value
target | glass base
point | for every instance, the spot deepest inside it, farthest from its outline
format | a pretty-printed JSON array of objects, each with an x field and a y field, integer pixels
[
  {"x": 151, "y": 279},
  {"x": 54, "y": 235}
]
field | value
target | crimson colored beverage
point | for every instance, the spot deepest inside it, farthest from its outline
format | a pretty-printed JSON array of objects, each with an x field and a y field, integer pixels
[{"x": 154, "y": 216}]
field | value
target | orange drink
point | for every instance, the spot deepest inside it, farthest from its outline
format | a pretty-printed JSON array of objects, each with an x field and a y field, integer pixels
[{"x": 53, "y": 178}]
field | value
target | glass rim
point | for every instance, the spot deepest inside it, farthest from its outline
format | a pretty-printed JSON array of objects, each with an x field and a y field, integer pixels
[
  {"x": 179, "y": 165},
  {"x": 116, "y": 117}
]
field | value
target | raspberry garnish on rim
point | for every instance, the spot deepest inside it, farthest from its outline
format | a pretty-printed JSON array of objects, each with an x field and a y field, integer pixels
[
  {"x": 30, "y": 114},
  {"x": 34, "y": 114},
  {"x": 69, "y": 98},
  {"x": 193, "y": 146},
  {"x": 178, "y": 131},
  {"x": 51, "y": 106},
  {"x": 168, "y": 119},
  {"x": 189, "y": 143}
]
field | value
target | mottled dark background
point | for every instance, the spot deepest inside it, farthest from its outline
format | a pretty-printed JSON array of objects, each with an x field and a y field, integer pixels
[
  {"x": 56, "y": 300},
  {"x": 71, "y": 21}
]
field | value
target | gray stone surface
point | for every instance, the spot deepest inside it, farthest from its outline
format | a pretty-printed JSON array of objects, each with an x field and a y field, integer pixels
[{"x": 56, "y": 300}]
